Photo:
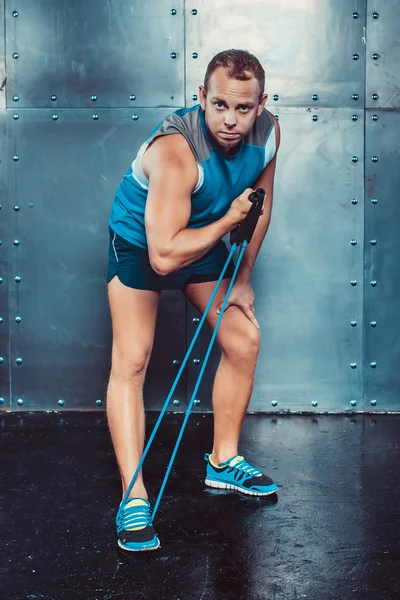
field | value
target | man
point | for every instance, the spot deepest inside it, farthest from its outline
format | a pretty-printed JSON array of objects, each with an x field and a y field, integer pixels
[{"x": 188, "y": 187}]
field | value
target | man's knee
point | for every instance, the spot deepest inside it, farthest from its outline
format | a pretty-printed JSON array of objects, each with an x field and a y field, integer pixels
[
  {"x": 129, "y": 363},
  {"x": 239, "y": 338}
]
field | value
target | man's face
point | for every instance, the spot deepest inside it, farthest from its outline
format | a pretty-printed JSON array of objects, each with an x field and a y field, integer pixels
[{"x": 231, "y": 106}]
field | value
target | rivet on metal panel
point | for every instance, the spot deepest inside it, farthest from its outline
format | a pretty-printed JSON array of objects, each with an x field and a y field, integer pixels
[
  {"x": 15, "y": 98},
  {"x": 375, "y": 117},
  {"x": 1, "y": 360},
  {"x": 196, "y": 320},
  {"x": 353, "y": 402},
  {"x": 354, "y": 118},
  {"x": 354, "y": 159},
  {"x": 1, "y": 319},
  {"x": 53, "y": 97},
  {"x": 173, "y": 55},
  {"x": 176, "y": 402},
  {"x": 15, "y": 55},
  {"x": 16, "y": 117},
  {"x": 194, "y": 12},
  {"x": 135, "y": 117},
  {"x": 375, "y": 15},
  {"x": 61, "y": 402},
  {"x": 15, "y": 158},
  {"x": 16, "y": 208},
  {"x": 315, "y": 97},
  {"x": 173, "y": 11},
  {"x": 195, "y": 55},
  {"x": 1, "y": 280},
  {"x": 55, "y": 117},
  {"x": 354, "y": 282},
  {"x": 314, "y": 403},
  {"x": 354, "y": 201},
  {"x": 373, "y": 402},
  {"x": 355, "y": 15},
  {"x": 274, "y": 403},
  {"x": 196, "y": 402},
  {"x": 373, "y": 365},
  {"x": 15, "y": 13},
  {"x": 96, "y": 117},
  {"x": 1, "y": 400},
  {"x": 132, "y": 97},
  {"x": 93, "y": 98},
  {"x": 353, "y": 365},
  {"x": 374, "y": 159},
  {"x": 18, "y": 279},
  {"x": 99, "y": 402},
  {"x": 20, "y": 401},
  {"x": 353, "y": 323},
  {"x": 196, "y": 361},
  {"x": 16, "y": 242},
  {"x": 375, "y": 97},
  {"x": 355, "y": 97},
  {"x": 373, "y": 242},
  {"x": 18, "y": 319},
  {"x": 374, "y": 200},
  {"x": 375, "y": 56},
  {"x": 373, "y": 323},
  {"x": 315, "y": 118},
  {"x": 276, "y": 97},
  {"x": 373, "y": 283},
  {"x": 1, "y": 242},
  {"x": 194, "y": 97},
  {"x": 19, "y": 361},
  {"x": 176, "y": 362},
  {"x": 353, "y": 242},
  {"x": 356, "y": 56}
]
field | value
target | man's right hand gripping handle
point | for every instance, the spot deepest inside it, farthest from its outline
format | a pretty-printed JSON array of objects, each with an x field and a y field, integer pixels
[{"x": 244, "y": 231}]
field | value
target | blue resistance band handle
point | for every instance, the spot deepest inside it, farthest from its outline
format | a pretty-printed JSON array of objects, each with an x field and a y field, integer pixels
[
  {"x": 178, "y": 376},
  {"x": 199, "y": 379}
]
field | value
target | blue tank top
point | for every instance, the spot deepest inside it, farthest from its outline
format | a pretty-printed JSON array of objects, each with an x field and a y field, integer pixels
[{"x": 222, "y": 177}]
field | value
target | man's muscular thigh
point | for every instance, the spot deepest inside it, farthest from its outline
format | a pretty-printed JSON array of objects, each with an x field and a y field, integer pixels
[{"x": 133, "y": 315}]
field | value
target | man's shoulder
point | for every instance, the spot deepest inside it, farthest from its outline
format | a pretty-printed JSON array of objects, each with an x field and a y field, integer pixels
[{"x": 262, "y": 128}]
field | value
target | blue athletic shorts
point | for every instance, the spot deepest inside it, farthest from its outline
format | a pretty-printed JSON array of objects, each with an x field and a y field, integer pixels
[{"x": 132, "y": 266}]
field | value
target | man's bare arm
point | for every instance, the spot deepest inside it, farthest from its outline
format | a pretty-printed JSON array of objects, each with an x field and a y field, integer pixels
[
  {"x": 172, "y": 173},
  {"x": 265, "y": 181}
]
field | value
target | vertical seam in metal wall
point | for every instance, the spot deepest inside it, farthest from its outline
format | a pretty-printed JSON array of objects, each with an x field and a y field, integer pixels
[
  {"x": 8, "y": 237},
  {"x": 363, "y": 330}
]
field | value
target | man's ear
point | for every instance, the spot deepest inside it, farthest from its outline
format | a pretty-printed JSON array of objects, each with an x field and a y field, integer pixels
[
  {"x": 202, "y": 96},
  {"x": 261, "y": 104}
]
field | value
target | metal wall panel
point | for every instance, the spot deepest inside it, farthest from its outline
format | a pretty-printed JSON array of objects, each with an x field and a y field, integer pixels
[
  {"x": 382, "y": 251},
  {"x": 4, "y": 271},
  {"x": 383, "y": 54},
  {"x": 74, "y": 50},
  {"x": 308, "y": 277},
  {"x": 309, "y": 48},
  {"x": 63, "y": 183}
]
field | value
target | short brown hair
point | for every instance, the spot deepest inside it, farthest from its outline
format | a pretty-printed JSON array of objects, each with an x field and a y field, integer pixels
[{"x": 239, "y": 63}]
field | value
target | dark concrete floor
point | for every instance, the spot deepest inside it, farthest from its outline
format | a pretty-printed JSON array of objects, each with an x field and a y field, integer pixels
[{"x": 331, "y": 532}]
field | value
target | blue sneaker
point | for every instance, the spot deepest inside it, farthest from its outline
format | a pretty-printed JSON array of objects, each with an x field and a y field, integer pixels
[
  {"x": 237, "y": 474},
  {"x": 135, "y": 529}
]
